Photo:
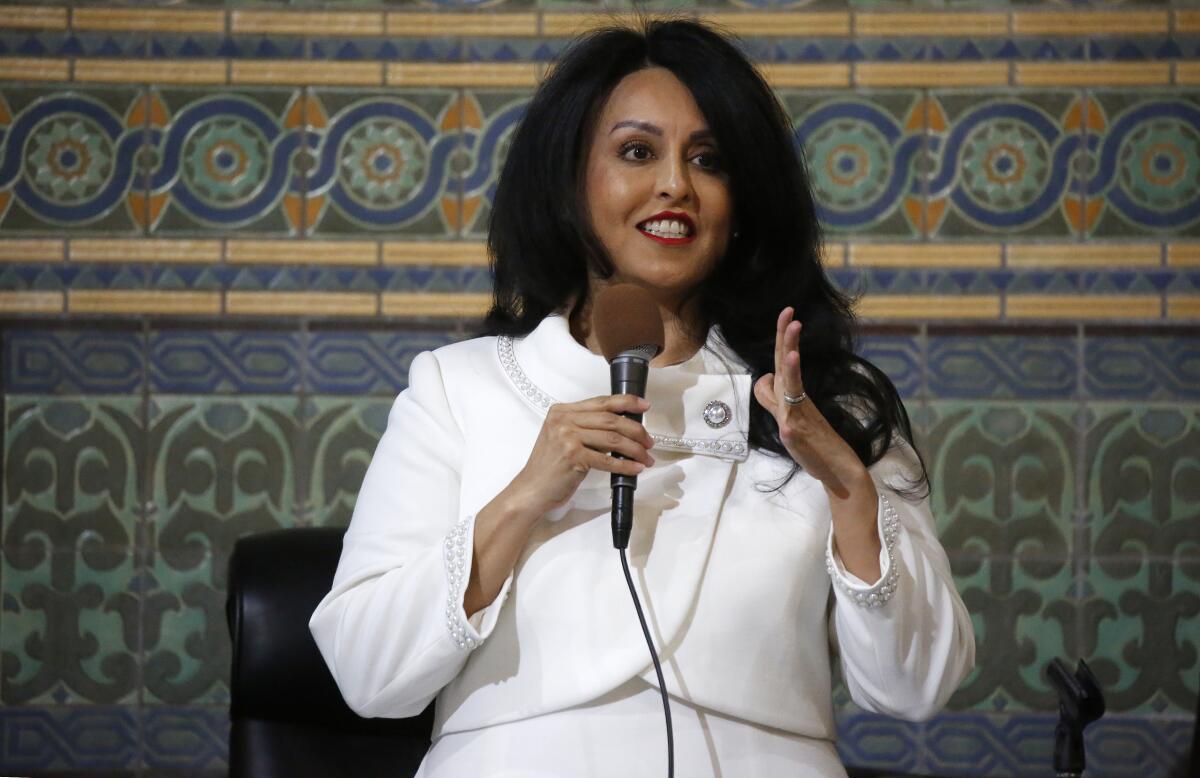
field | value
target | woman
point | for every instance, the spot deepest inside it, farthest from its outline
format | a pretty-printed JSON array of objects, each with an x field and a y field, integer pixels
[{"x": 478, "y": 567}]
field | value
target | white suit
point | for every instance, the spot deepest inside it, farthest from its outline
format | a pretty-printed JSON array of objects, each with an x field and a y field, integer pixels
[{"x": 735, "y": 579}]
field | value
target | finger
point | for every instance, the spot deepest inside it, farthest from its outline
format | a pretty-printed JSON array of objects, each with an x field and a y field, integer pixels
[
  {"x": 781, "y": 324},
  {"x": 793, "y": 384},
  {"x": 764, "y": 391},
  {"x": 597, "y": 461},
  {"x": 605, "y": 442},
  {"x": 613, "y": 403},
  {"x": 603, "y": 420}
]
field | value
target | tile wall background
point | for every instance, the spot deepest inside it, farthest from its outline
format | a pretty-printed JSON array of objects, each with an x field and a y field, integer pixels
[{"x": 227, "y": 227}]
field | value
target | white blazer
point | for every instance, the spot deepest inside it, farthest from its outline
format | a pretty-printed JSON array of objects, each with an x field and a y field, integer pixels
[{"x": 736, "y": 579}]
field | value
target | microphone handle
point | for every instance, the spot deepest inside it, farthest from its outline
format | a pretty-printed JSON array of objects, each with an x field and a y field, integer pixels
[{"x": 628, "y": 375}]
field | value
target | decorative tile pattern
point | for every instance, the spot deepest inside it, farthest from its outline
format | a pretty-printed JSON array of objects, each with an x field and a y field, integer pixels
[
  {"x": 68, "y": 738},
  {"x": 1142, "y": 367},
  {"x": 340, "y": 436},
  {"x": 68, "y": 159},
  {"x": 226, "y": 362},
  {"x": 982, "y": 366},
  {"x": 382, "y": 161},
  {"x": 1004, "y": 164},
  {"x": 71, "y": 507},
  {"x": 136, "y": 452},
  {"x": 48, "y": 362},
  {"x": 361, "y": 363},
  {"x": 862, "y": 152}
]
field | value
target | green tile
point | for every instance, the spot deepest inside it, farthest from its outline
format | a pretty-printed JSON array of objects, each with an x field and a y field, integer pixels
[
  {"x": 1004, "y": 478},
  {"x": 340, "y": 438},
  {"x": 1144, "y": 634},
  {"x": 187, "y": 647},
  {"x": 1143, "y": 468},
  {"x": 69, "y": 626},
  {"x": 71, "y": 470},
  {"x": 1021, "y": 622}
]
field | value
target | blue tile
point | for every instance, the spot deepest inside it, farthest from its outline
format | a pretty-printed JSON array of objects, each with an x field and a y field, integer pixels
[
  {"x": 190, "y": 739},
  {"x": 51, "y": 738},
  {"x": 1002, "y": 366},
  {"x": 899, "y": 356},
  {"x": 869, "y": 740},
  {"x": 1142, "y": 367},
  {"x": 355, "y": 363},
  {"x": 225, "y": 362},
  {"x": 67, "y": 362}
]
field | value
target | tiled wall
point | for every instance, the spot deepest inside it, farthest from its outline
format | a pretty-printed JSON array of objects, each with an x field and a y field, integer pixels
[{"x": 227, "y": 228}]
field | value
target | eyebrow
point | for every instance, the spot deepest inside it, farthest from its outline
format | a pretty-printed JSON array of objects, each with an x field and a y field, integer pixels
[{"x": 654, "y": 129}]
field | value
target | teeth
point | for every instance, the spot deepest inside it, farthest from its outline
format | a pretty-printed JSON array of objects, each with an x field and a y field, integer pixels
[{"x": 666, "y": 228}]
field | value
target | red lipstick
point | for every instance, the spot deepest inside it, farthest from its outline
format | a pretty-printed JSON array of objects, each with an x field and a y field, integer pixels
[{"x": 683, "y": 218}]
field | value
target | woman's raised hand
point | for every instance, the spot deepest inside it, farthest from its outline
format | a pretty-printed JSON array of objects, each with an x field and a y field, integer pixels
[
  {"x": 808, "y": 437},
  {"x": 577, "y": 437}
]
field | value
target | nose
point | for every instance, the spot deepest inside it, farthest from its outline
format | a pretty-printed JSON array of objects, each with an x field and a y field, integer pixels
[{"x": 675, "y": 182}]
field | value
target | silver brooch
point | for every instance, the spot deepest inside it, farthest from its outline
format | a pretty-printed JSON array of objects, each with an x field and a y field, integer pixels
[{"x": 717, "y": 414}]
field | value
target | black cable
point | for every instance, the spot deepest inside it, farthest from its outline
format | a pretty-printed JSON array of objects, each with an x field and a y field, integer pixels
[{"x": 662, "y": 684}]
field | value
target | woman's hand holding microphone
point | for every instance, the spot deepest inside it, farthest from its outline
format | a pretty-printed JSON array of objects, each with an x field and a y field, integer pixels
[{"x": 575, "y": 438}]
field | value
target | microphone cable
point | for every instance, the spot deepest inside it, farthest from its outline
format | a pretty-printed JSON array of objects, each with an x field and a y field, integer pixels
[{"x": 662, "y": 684}]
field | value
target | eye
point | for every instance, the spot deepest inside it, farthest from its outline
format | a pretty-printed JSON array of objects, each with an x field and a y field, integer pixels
[
  {"x": 708, "y": 160},
  {"x": 636, "y": 151}
]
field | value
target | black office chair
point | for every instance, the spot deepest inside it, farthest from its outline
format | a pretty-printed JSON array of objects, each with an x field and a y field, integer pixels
[{"x": 288, "y": 717}]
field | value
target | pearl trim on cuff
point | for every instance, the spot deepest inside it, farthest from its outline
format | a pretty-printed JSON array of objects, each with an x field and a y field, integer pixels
[
  {"x": 457, "y": 570},
  {"x": 882, "y": 591}
]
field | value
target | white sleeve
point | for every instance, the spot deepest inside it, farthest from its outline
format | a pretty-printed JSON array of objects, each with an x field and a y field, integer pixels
[
  {"x": 906, "y": 640},
  {"x": 392, "y": 629}
]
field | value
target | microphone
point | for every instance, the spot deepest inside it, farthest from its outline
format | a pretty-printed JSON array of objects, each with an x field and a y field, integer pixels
[{"x": 629, "y": 328}]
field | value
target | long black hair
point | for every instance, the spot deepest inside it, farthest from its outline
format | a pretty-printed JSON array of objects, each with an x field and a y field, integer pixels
[{"x": 542, "y": 246}]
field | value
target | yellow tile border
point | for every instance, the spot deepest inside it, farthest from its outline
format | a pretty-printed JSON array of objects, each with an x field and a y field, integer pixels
[
  {"x": 835, "y": 74},
  {"x": 301, "y": 303},
  {"x": 403, "y": 23},
  {"x": 139, "y": 71},
  {"x": 830, "y": 24},
  {"x": 321, "y": 252},
  {"x": 920, "y": 306},
  {"x": 567, "y": 24},
  {"x": 144, "y": 250},
  {"x": 1183, "y": 254},
  {"x": 934, "y": 74},
  {"x": 32, "y": 250},
  {"x": 1083, "y": 306},
  {"x": 1187, "y": 21},
  {"x": 159, "y": 19},
  {"x": 1187, "y": 73},
  {"x": 30, "y": 302},
  {"x": 291, "y": 22},
  {"x": 906, "y": 23},
  {"x": 1183, "y": 306},
  {"x": 142, "y": 301},
  {"x": 924, "y": 255},
  {"x": 434, "y": 253},
  {"x": 32, "y": 17},
  {"x": 417, "y": 304},
  {"x": 464, "y": 74},
  {"x": 1034, "y": 255},
  {"x": 34, "y": 69},
  {"x": 305, "y": 72},
  {"x": 1093, "y": 73},
  {"x": 1037, "y": 22}
]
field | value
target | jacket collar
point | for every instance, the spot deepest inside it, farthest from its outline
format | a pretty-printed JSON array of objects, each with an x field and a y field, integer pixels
[{"x": 548, "y": 366}]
